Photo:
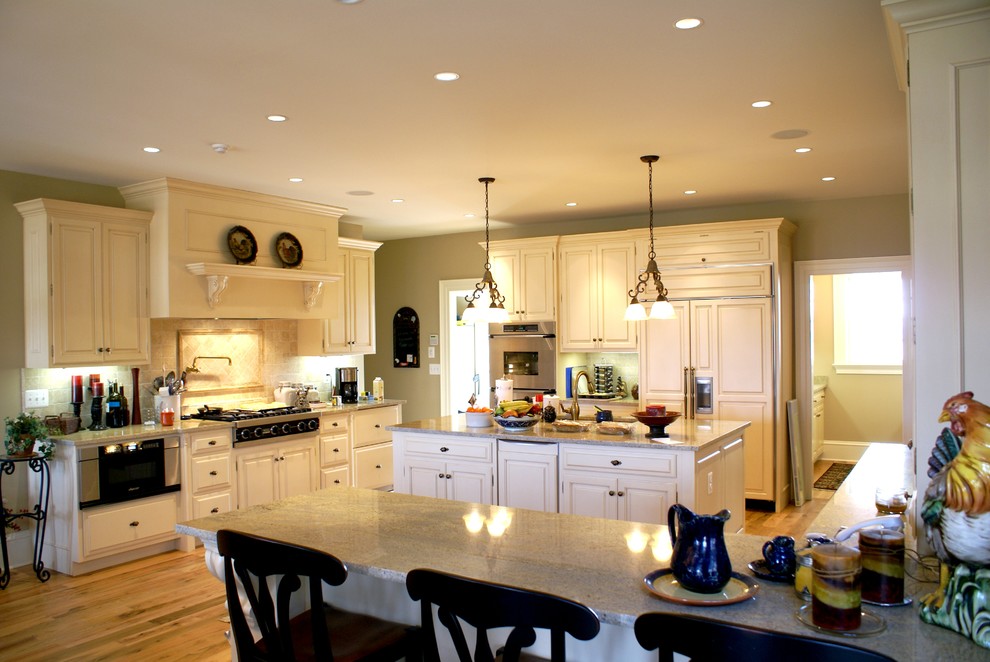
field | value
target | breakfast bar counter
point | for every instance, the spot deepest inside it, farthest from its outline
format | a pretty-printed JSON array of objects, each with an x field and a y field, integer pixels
[{"x": 602, "y": 563}]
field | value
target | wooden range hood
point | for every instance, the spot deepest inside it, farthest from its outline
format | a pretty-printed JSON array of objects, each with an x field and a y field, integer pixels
[{"x": 194, "y": 275}]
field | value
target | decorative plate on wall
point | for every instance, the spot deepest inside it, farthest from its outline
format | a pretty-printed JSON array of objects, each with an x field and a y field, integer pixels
[
  {"x": 242, "y": 244},
  {"x": 289, "y": 250}
]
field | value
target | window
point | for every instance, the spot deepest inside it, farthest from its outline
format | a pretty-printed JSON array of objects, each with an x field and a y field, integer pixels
[{"x": 868, "y": 313}]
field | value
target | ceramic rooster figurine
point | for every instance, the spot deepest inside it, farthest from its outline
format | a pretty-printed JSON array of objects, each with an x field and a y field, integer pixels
[{"x": 956, "y": 512}]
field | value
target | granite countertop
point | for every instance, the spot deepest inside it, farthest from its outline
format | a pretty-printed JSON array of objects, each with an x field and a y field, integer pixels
[
  {"x": 598, "y": 562},
  {"x": 325, "y": 408},
  {"x": 690, "y": 435}
]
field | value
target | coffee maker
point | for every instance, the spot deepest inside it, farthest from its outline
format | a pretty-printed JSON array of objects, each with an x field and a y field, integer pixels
[{"x": 347, "y": 385}]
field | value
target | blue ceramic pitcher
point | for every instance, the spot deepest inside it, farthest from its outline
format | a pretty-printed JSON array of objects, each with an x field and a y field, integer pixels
[{"x": 700, "y": 560}]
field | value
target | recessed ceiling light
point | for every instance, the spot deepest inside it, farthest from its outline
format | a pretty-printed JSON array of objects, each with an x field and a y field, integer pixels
[
  {"x": 789, "y": 134},
  {"x": 828, "y": 179},
  {"x": 295, "y": 180},
  {"x": 761, "y": 104},
  {"x": 152, "y": 150},
  {"x": 803, "y": 150},
  {"x": 688, "y": 23},
  {"x": 348, "y": 2},
  {"x": 570, "y": 204},
  {"x": 397, "y": 200},
  {"x": 446, "y": 76},
  {"x": 690, "y": 192},
  {"x": 360, "y": 193},
  {"x": 277, "y": 118}
]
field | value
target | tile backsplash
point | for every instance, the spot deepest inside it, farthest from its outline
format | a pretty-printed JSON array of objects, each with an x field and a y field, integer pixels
[{"x": 262, "y": 353}]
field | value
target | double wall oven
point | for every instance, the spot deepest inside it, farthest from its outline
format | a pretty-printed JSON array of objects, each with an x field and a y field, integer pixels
[{"x": 526, "y": 353}]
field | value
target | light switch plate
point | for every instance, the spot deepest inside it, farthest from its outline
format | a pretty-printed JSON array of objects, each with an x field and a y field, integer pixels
[
  {"x": 36, "y": 398},
  {"x": 431, "y": 352},
  {"x": 434, "y": 368}
]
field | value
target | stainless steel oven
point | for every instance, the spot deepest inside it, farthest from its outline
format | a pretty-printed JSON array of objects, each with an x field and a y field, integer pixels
[
  {"x": 526, "y": 353},
  {"x": 128, "y": 470}
]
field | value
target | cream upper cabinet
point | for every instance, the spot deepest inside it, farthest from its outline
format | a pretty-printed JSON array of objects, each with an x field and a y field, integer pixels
[
  {"x": 596, "y": 272},
  {"x": 525, "y": 274},
  {"x": 85, "y": 284},
  {"x": 352, "y": 330}
]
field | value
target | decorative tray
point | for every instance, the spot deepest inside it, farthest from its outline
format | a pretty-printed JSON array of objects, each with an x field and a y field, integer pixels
[
  {"x": 242, "y": 244},
  {"x": 759, "y": 568},
  {"x": 614, "y": 428},
  {"x": 569, "y": 426},
  {"x": 663, "y": 585},
  {"x": 289, "y": 250},
  {"x": 869, "y": 624}
]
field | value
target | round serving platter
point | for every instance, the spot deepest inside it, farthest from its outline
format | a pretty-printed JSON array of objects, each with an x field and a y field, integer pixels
[{"x": 663, "y": 585}]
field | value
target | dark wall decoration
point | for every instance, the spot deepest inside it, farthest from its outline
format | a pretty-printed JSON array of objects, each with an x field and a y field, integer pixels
[{"x": 405, "y": 334}]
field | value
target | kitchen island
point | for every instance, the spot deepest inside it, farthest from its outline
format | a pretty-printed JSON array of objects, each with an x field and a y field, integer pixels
[
  {"x": 582, "y": 471},
  {"x": 381, "y": 536}
]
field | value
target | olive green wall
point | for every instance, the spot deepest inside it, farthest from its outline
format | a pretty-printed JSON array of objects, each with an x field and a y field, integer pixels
[{"x": 408, "y": 271}]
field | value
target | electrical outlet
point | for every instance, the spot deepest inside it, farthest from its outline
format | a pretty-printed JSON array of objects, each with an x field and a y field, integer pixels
[
  {"x": 434, "y": 368},
  {"x": 36, "y": 398}
]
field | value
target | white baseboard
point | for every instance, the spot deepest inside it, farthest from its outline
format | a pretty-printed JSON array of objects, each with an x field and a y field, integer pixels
[
  {"x": 844, "y": 451},
  {"x": 20, "y": 547}
]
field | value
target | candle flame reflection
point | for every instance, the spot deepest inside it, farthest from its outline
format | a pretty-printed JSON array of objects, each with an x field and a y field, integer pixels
[
  {"x": 474, "y": 521},
  {"x": 496, "y": 524},
  {"x": 637, "y": 541}
]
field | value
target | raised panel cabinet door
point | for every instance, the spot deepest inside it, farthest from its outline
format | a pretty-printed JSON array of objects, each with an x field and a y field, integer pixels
[
  {"x": 505, "y": 272},
  {"x": 257, "y": 478},
  {"x": 645, "y": 499},
  {"x": 665, "y": 351},
  {"x": 536, "y": 289},
  {"x": 527, "y": 481},
  {"x": 298, "y": 470},
  {"x": 579, "y": 296},
  {"x": 361, "y": 302},
  {"x": 77, "y": 292},
  {"x": 426, "y": 477},
  {"x": 126, "y": 326},
  {"x": 336, "y": 330},
  {"x": 470, "y": 481},
  {"x": 745, "y": 353},
  {"x": 591, "y": 494},
  {"x": 758, "y": 451},
  {"x": 733, "y": 483},
  {"x": 617, "y": 275},
  {"x": 335, "y": 477}
]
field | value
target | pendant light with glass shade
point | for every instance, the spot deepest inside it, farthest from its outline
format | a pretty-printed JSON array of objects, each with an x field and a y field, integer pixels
[
  {"x": 495, "y": 312},
  {"x": 661, "y": 308}
]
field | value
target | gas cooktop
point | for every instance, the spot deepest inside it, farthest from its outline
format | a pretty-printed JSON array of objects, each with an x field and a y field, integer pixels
[
  {"x": 240, "y": 415},
  {"x": 260, "y": 425}
]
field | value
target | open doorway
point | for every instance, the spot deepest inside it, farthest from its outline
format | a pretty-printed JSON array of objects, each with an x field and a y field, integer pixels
[
  {"x": 463, "y": 350},
  {"x": 859, "y": 394}
]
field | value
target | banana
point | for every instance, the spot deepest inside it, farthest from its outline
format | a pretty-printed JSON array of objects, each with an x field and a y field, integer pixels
[{"x": 521, "y": 407}]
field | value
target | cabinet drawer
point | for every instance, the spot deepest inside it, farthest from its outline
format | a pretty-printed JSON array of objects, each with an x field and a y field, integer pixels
[
  {"x": 370, "y": 424},
  {"x": 212, "y": 504},
  {"x": 618, "y": 459},
  {"x": 334, "y": 449},
  {"x": 715, "y": 247},
  {"x": 105, "y": 529},
  {"x": 442, "y": 447},
  {"x": 336, "y": 477},
  {"x": 210, "y": 471},
  {"x": 373, "y": 466},
  {"x": 334, "y": 424},
  {"x": 211, "y": 442}
]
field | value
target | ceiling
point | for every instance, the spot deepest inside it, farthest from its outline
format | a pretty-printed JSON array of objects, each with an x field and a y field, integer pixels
[{"x": 557, "y": 99}]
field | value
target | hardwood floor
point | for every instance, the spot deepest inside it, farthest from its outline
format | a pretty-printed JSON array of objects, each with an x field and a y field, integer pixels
[{"x": 167, "y": 607}]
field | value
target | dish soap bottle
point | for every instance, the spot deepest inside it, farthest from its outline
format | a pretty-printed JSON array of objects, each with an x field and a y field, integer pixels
[{"x": 378, "y": 388}]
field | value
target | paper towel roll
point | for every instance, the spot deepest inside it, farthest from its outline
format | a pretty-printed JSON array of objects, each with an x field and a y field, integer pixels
[{"x": 503, "y": 390}]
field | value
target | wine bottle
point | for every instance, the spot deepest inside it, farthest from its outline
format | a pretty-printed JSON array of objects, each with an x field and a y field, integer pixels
[{"x": 114, "y": 407}]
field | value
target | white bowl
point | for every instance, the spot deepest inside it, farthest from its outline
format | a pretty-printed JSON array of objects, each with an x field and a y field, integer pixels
[{"x": 478, "y": 419}]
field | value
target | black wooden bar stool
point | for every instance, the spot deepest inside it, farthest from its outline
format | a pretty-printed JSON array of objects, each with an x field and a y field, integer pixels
[
  {"x": 704, "y": 640},
  {"x": 319, "y": 633},
  {"x": 486, "y": 606}
]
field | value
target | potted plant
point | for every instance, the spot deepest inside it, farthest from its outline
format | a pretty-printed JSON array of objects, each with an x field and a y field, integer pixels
[{"x": 24, "y": 432}]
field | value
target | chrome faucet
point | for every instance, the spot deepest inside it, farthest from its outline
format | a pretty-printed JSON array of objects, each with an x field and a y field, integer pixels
[{"x": 575, "y": 408}]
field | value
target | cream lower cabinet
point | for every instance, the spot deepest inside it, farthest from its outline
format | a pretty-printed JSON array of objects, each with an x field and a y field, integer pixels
[
  {"x": 595, "y": 273},
  {"x": 718, "y": 483},
  {"x": 85, "y": 284},
  {"x": 527, "y": 475},
  {"x": 621, "y": 483},
  {"x": 446, "y": 467},
  {"x": 335, "y": 450},
  {"x": 371, "y": 454},
  {"x": 208, "y": 472},
  {"x": 525, "y": 273},
  {"x": 716, "y": 360},
  {"x": 275, "y": 471},
  {"x": 818, "y": 423},
  {"x": 125, "y": 526},
  {"x": 352, "y": 331}
]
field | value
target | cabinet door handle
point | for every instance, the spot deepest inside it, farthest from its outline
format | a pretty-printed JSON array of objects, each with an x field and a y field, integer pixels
[
  {"x": 611, "y": 492},
  {"x": 336, "y": 481},
  {"x": 440, "y": 475},
  {"x": 444, "y": 449},
  {"x": 378, "y": 425},
  {"x": 378, "y": 466},
  {"x": 99, "y": 349},
  {"x": 448, "y": 476},
  {"x": 621, "y": 493},
  {"x": 213, "y": 473},
  {"x": 212, "y": 442},
  {"x": 214, "y": 510},
  {"x": 616, "y": 463},
  {"x": 336, "y": 450},
  {"x": 135, "y": 523},
  {"x": 108, "y": 350}
]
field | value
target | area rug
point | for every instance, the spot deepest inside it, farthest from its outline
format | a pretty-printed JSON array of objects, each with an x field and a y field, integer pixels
[{"x": 833, "y": 476}]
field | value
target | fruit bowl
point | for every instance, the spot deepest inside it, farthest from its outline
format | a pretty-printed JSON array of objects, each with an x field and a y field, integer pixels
[
  {"x": 657, "y": 424},
  {"x": 516, "y": 424}
]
